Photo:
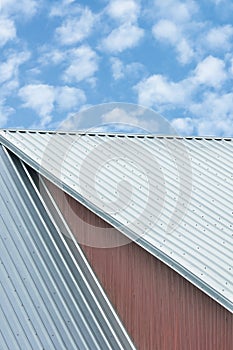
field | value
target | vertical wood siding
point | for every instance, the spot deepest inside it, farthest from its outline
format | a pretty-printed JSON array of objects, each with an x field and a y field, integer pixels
[{"x": 159, "y": 308}]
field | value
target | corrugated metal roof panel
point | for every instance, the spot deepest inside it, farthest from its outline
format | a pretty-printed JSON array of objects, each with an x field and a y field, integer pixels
[
  {"x": 172, "y": 194},
  {"x": 48, "y": 300}
]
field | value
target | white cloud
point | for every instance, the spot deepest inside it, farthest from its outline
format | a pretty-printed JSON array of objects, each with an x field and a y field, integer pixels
[
  {"x": 27, "y": 8},
  {"x": 134, "y": 69},
  {"x": 183, "y": 126},
  {"x": 135, "y": 119},
  {"x": 117, "y": 68},
  {"x": 40, "y": 98},
  {"x": 157, "y": 90},
  {"x": 75, "y": 29},
  {"x": 210, "y": 72},
  {"x": 8, "y": 88},
  {"x": 120, "y": 70},
  {"x": 53, "y": 56},
  {"x": 43, "y": 99},
  {"x": 5, "y": 112},
  {"x": 119, "y": 115},
  {"x": 185, "y": 51},
  {"x": 166, "y": 30},
  {"x": 208, "y": 127},
  {"x": 231, "y": 67},
  {"x": 169, "y": 32},
  {"x": 200, "y": 95},
  {"x": 213, "y": 114},
  {"x": 219, "y": 37},
  {"x": 124, "y": 37},
  {"x": 214, "y": 106},
  {"x": 175, "y": 10},
  {"x": 177, "y": 27},
  {"x": 7, "y": 30},
  {"x": 9, "y": 69},
  {"x": 69, "y": 98},
  {"x": 80, "y": 63},
  {"x": 83, "y": 64},
  {"x": 124, "y": 10},
  {"x": 64, "y": 8}
]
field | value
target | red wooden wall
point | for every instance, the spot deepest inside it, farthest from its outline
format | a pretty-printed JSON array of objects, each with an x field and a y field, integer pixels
[{"x": 159, "y": 308}]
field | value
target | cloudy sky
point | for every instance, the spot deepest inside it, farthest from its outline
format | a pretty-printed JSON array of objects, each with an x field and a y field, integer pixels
[{"x": 60, "y": 57}]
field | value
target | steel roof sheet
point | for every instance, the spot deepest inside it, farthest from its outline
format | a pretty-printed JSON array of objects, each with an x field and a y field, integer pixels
[
  {"x": 172, "y": 195},
  {"x": 48, "y": 300}
]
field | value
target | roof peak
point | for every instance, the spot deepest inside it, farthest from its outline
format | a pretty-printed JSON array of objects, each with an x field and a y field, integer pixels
[{"x": 116, "y": 134}]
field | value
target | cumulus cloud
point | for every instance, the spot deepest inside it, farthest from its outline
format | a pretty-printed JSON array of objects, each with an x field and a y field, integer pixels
[
  {"x": 184, "y": 126},
  {"x": 27, "y": 8},
  {"x": 220, "y": 37},
  {"x": 124, "y": 10},
  {"x": 5, "y": 112},
  {"x": 136, "y": 119},
  {"x": 170, "y": 33},
  {"x": 200, "y": 95},
  {"x": 10, "y": 68},
  {"x": 124, "y": 37},
  {"x": 44, "y": 98},
  {"x": 78, "y": 64},
  {"x": 83, "y": 64},
  {"x": 119, "y": 115},
  {"x": 211, "y": 72},
  {"x": 121, "y": 70},
  {"x": 52, "y": 56},
  {"x": 157, "y": 90},
  {"x": 184, "y": 51},
  {"x": 76, "y": 28},
  {"x": 214, "y": 105},
  {"x": 175, "y": 10},
  {"x": 231, "y": 67},
  {"x": 7, "y": 30},
  {"x": 69, "y": 98},
  {"x": 175, "y": 26},
  {"x": 40, "y": 98},
  {"x": 166, "y": 30},
  {"x": 117, "y": 68},
  {"x": 208, "y": 127},
  {"x": 64, "y": 8},
  {"x": 128, "y": 33}
]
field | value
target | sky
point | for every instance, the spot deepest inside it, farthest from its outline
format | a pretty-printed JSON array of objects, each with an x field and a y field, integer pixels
[{"x": 58, "y": 58}]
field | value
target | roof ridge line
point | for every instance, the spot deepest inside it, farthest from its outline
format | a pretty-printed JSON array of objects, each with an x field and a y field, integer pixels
[{"x": 116, "y": 134}]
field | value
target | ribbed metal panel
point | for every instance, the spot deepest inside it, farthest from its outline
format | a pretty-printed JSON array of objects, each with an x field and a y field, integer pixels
[
  {"x": 48, "y": 300},
  {"x": 160, "y": 309},
  {"x": 165, "y": 173}
]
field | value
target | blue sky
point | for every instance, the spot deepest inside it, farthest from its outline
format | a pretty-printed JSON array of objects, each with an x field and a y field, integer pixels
[{"x": 60, "y": 57}]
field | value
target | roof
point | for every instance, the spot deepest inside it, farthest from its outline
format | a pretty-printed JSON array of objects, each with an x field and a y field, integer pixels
[
  {"x": 48, "y": 298},
  {"x": 172, "y": 195}
]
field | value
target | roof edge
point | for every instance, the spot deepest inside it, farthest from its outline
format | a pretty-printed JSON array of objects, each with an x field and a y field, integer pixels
[{"x": 115, "y": 134}]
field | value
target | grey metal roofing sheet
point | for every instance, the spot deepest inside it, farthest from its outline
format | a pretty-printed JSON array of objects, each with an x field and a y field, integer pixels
[
  {"x": 48, "y": 300},
  {"x": 174, "y": 193}
]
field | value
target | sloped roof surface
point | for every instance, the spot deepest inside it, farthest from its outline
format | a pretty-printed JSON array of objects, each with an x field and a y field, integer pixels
[
  {"x": 47, "y": 299},
  {"x": 172, "y": 195}
]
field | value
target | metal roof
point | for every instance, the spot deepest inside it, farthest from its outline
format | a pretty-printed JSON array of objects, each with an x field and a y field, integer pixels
[
  {"x": 48, "y": 299},
  {"x": 173, "y": 195}
]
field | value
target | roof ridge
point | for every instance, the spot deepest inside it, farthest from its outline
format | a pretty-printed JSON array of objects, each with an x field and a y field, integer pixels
[{"x": 117, "y": 134}]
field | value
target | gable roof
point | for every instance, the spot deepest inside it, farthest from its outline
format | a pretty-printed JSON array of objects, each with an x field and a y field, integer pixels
[
  {"x": 180, "y": 205},
  {"x": 49, "y": 300}
]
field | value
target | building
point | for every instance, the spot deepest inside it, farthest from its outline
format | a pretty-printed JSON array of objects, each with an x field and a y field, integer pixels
[{"x": 116, "y": 241}]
